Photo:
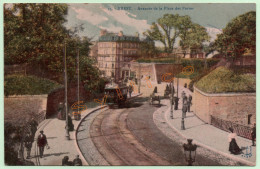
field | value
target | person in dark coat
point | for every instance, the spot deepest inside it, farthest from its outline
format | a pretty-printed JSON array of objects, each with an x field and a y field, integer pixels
[
  {"x": 77, "y": 161},
  {"x": 42, "y": 142},
  {"x": 233, "y": 147},
  {"x": 66, "y": 162},
  {"x": 130, "y": 90},
  {"x": 184, "y": 106},
  {"x": 183, "y": 94},
  {"x": 28, "y": 140},
  {"x": 189, "y": 102},
  {"x": 253, "y": 134},
  {"x": 33, "y": 127},
  {"x": 70, "y": 124}
]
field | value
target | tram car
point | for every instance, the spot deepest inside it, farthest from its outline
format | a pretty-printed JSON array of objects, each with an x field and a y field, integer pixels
[{"x": 116, "y": 95}]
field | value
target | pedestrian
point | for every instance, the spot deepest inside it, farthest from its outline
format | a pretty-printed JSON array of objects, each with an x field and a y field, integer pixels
[
  {"x": 233, "y": 147},
  {"x": 77, "y": 161},
  {"x": 253, "y": 134},
  {"x": 130, "y": 90},
  {"x": 66, "y": 162},
  {"x": 70, "y": 124},
  {"x": 42, "y": 142},
  {"x": 184, "y": 107},
  {"x": 33, "y": 127},
  {"x": 183, "y": 94},
  {"x": 189, "y": 102},
  {"x": 28, "y": 140},
  {"x": 60, "y": 111}
]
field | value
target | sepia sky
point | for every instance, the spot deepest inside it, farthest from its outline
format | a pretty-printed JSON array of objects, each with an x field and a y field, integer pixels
[{"x": 139, "y": 17}]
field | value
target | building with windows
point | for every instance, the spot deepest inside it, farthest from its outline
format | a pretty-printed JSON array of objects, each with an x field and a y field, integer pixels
[{"x": 115, "y": 52}]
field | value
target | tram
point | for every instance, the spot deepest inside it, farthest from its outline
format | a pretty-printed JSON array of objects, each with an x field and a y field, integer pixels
[{"x": 116, "y": 95}]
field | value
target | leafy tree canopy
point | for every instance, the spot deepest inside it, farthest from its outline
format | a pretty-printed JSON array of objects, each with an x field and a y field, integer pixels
[
  {"x": 238, "y": 36},
  {"x": 170, "y": 27}
]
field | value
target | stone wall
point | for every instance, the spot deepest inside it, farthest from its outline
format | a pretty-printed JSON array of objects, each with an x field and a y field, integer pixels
[
  {"x": 20, "y": 109},
  {"x": 235, "y": 107}
]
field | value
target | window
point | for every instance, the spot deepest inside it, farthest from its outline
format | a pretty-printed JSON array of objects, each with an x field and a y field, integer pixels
[
  {"x": 112, "y": 65},
  {"x": 112, "y": 74}
]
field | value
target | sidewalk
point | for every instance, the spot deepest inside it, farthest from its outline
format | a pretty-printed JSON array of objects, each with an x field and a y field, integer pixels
[
  {"x": 54, "y": 129},
  {"x": 207, "y": 135}
]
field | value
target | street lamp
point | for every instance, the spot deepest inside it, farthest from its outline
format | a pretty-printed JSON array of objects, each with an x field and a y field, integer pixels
[
  {"x": 67, "y": 135},
  {"x": 190, "y": 152}
]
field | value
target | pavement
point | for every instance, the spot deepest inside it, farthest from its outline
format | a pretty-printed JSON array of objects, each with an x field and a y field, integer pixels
[
  {"x": 203, "y": 134},
  {"x": 206, "y": 135},
  {"x": 54, "y": 129}
]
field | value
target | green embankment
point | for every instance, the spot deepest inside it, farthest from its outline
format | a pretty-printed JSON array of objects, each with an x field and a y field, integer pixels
[
  {"x": 223, "y": 80},
  {"x": 28, "y": 85}
]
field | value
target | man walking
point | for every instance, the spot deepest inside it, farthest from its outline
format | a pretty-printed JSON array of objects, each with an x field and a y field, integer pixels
[
  {"x": 184, "y": 107},
  {"x": 183, "y": 95},
  {"x": 42, "y": 142},
  {"x": 189, "y": 102},
  {"x": 28, "y": 140}
]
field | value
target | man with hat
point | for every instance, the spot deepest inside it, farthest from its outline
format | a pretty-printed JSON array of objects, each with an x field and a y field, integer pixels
[{"x": 41, "y": 142}]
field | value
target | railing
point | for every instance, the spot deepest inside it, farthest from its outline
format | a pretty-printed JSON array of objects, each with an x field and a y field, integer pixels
[
  {"x": 239, "y": 129},
  {"x": 39, "y": 118}
]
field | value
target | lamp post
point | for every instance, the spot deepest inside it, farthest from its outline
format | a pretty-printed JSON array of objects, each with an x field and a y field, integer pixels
[
  {"x": 190, "y": 152},
  {"x": 67, "y": 135}
]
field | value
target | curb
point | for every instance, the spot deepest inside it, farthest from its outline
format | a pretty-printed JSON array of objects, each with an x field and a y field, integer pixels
[
  {"x": 76, "y": 142},
  {"x": 207, "y": 147}
]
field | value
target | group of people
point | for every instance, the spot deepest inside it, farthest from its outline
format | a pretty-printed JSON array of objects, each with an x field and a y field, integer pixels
[{"x": 76, "y": 162}]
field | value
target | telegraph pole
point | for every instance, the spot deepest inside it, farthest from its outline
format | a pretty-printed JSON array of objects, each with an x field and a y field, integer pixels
[
  {"x": 78, "y": 115},
  {"x": 66, "y": 93}
]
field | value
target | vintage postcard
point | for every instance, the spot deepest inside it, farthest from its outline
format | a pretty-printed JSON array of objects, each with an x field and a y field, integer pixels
[{"x": 133, "y": 84}]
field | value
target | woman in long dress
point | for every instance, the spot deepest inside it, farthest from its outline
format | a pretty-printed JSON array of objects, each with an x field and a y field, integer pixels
[{"x": 233, "y": 147}]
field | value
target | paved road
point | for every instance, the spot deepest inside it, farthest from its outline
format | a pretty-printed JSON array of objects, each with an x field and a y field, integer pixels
[{"x": 129, "y": 136}]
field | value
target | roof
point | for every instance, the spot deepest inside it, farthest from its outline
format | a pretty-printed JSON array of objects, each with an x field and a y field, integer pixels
[{"x": 112, "y": 37}]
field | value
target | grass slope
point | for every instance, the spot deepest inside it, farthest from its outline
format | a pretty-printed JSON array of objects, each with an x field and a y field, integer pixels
[
  {"x": 28, "y": 85},
  {"x": 223, "y": 80}
]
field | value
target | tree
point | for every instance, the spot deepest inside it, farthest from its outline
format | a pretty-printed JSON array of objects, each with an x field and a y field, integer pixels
[
  {"x": 148, "y": 49},
  {"x": 193, "y": 37},
  {"x": 238, "y": 36},
  {"x": 170, "y": 27}
]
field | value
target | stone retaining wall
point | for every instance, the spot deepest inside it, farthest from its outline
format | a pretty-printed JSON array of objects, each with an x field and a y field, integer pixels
[{"x": 235, "y": 107}]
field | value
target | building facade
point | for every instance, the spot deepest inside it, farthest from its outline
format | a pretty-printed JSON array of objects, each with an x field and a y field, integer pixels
[{"x": 115, "y": 52}]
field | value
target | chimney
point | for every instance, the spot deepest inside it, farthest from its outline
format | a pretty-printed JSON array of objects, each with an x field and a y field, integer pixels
[
  {"x": 137, "y": 34},
  {"x": 120, "y": 33},
  {"x": 103, "y": 32}
]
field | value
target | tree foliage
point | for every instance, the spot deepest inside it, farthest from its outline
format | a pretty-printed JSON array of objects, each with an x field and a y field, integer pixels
[
  {"x": 170, "y": 27},
  {"x": 35, "y": 34},
  {"x": 238, "y": 36}
]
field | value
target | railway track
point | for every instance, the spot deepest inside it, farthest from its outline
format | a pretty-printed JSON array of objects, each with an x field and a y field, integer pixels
[{"x": 112, "y": 141}]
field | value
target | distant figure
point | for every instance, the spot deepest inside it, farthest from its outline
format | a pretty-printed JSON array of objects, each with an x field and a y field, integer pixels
[
  {"x": 183, "y": 94},
  {"x": 61, "y": 114},
  {"x": 42, "y": 142},
  {"x": 77, "y": 161},
  {"x": 233, "y": 147},
  {"x": 70, "y": 124},
  {"x": 66, "y": 162},
  {"x": 28, "y": 140},
  {"x": 130, "y": 90},
  {"x": 189, "y": 102},
  {"x": 253, "y": 134},
  {"x": 33, "y": 127},
  {"x": 155, "y": 89},
  {"x": 184, "y": 107}
]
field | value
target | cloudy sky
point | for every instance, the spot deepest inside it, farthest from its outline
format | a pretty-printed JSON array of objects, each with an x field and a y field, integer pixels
[{"x": 138, "y": 17}]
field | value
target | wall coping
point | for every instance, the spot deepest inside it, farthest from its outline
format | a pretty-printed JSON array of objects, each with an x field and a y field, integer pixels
[
  {"x": 25, "y": 96},
  {"x": 223, "y": 94}
]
